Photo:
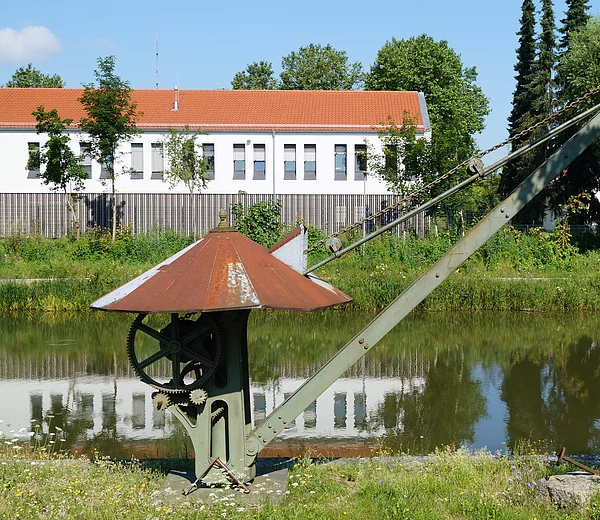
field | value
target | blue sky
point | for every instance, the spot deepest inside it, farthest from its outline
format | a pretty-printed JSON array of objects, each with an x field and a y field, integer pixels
[{"x": 203, "y": 44}]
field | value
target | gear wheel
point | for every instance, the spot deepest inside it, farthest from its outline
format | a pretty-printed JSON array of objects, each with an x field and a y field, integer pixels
[
  {"x": 161, "y": 401},
  {"x": 194, "y": 344},
  {"x": 217, "y": 413},
  {"x": 198, "y": 396}
]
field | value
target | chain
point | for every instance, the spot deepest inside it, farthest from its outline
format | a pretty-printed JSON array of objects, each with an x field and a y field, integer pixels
[{"x": 413, "y": 194}]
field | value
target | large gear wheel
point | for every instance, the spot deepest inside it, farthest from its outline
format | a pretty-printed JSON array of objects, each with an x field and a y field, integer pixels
[{"x": 191, "y": 347}]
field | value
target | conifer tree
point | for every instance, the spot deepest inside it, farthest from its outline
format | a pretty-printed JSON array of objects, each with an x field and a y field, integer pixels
[
  {"x": 518, "y": 119},
  {"x": 575, "y": 18}
]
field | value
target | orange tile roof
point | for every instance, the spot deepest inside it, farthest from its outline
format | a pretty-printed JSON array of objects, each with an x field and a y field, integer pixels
[{"x": 314, "y": 110}]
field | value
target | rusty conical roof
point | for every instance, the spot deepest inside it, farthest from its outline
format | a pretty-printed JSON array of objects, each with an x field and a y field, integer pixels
[{"x": 223, "y": 271}]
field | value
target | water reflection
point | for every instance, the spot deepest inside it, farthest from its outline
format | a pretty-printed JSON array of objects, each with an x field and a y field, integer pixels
[{"x": 437, "y": 379}]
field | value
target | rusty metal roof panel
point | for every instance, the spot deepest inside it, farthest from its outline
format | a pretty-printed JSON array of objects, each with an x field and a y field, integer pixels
[{"x": 223, "y": 271}]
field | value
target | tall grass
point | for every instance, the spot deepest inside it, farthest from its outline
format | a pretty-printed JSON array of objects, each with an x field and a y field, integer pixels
[{"x": 513, "y": 271}]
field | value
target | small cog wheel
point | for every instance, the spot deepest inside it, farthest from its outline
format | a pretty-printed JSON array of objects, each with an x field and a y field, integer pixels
[
  {"x": 161, "y": 400},
  {"x": 217, "y": 413},
  {"x": 192, "y": 349},
  {"x": 198, "y": 396}
]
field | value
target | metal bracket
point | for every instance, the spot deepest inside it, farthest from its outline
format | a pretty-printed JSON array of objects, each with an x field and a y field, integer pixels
[{"x": 220, "y": 464}]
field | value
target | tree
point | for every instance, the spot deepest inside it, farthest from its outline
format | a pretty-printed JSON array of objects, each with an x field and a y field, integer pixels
[
  {"x": 534, "y": 100},
  {"x": 580, "y": 68},
  {"x": 524, "y": 67},
  {"x": 260, "y": 221},
  {"x": 456, "y": 105},
  {"x": 30, "y": 77},
  {"x": 186, "y": 164},
  {"x": 256, "y": 76},
  {"x": 63, "y": 168},
  {"x": 315, "y": 67},
  {"x": 111, "y": 120},
  {"x": 575, "y": 18}
]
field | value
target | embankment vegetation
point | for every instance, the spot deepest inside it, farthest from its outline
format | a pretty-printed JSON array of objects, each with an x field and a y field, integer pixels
[{"x": 515, "y": 270}]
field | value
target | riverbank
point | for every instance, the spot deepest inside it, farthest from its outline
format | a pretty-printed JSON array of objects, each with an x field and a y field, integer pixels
[
  {"x": 447, "y": 484},
  {"x": 514, "y": 271}
]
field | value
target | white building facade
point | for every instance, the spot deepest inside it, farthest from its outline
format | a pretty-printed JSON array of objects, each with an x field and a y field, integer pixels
[{"x": 297, "y": 146}]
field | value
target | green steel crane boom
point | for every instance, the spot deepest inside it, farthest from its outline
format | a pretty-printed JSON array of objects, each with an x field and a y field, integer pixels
[{"x": 360, "y": 344}]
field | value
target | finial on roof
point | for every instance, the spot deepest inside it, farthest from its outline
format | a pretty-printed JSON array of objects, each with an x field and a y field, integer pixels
[{"x": 223, "y": 224}]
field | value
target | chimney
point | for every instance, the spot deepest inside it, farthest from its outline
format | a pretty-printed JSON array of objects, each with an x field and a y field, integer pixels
[{"x": 176, "y": 102}]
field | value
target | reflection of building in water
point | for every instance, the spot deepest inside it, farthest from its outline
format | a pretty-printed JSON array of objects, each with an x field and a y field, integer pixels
[
  {"x": 344, "y": 410},
  {"x": 124, "y": 405}
]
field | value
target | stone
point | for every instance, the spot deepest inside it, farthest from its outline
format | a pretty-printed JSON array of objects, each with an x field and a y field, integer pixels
[{"x": 570, "y": 490}]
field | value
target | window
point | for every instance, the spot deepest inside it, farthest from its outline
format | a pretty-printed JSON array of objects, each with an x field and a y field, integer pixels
[
  {"x": 340, "y": 162},
  {"x": 289, "y": 162},
  {"x": 33, "y": 160},
  {"x": 259, "y": 162},
  {"x": 239, "y": 162},
  {"x": 86, "y": 158},
  {"x": 310, "y": 162},
  {"x": 208, "y": 150},
  {"x": 137, "y": 160},
  {"x": 158, "y": 161},
  {"x": 104, "y": 168},
  {"x": 360, "y": 162}
]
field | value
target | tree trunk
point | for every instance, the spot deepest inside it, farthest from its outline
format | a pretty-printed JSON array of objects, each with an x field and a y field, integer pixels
[
  {"x": 194, "y": 219},
  {"x": 74, "y": 217},
  {"x": 113, "y": 202}
]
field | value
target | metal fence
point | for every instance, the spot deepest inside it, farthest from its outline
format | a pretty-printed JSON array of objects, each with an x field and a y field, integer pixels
[{"x": 46, "y": 214}]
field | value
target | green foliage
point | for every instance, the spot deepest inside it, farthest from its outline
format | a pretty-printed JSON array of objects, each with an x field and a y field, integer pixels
[
  {"x": 260, "y": 221},
  {"x": 111, "y": 119},
  {"x": 317, "y": 67},
  {"x": 63, "y": 167},
  {"x": 447, "y": 484},
  {"x": 456, "y": 105},
  {"x": 187, "y": 165},
  {"x": 576, "y": 17},
  {"x": 64, "y": 170},
  {"x": 409, "y": 164},
  {"x": 30, "y": 77},
  {"x": 579, "y": 72},
  {"x": 256, "y": 76}
]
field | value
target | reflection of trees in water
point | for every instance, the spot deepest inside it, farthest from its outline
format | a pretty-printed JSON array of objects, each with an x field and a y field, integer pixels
[
  {"x": 521, "y": 391},
  {"x": 573, "y": 390},
  {"x": 444, "y": 413},
  {"x": 555, "y": 398}
]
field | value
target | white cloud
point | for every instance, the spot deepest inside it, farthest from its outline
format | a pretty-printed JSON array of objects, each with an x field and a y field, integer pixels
[{"x": 31, "y": 43}]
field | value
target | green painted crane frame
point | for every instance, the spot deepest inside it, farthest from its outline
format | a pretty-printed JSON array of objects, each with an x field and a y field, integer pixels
[{"x": 360, "y": 344}]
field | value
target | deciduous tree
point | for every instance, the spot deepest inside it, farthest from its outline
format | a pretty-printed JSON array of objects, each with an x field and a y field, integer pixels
[
  {"x": 30, "y": 77},
  {"x": 456, "y": 105},
  {"x": 256, "y": 76},
  {"x": 111, "y": 120},
  {"x": 187, "y": 165},
  {"x": 580, "y": 68},
  {"x": 63, "y": 170},
  {"x": 317, "y": 67}
]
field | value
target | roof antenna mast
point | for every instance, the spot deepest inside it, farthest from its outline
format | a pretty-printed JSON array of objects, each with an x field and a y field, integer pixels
[{"x": 156, "y": 60}]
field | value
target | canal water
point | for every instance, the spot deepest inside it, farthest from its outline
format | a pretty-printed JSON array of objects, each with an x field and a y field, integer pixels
[{"x": 480, "y": 380}]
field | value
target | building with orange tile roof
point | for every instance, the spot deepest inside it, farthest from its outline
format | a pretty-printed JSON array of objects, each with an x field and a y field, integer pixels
[{"x": 269, "y": 142}]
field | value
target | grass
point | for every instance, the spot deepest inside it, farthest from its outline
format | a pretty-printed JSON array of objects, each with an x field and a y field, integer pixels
[
  {"x": 513, "y": 271},
  {"x": 447, "y": 484}
]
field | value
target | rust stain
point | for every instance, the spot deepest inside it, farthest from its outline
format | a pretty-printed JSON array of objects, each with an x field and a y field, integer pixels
[{"x": 223, "y": 271}]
